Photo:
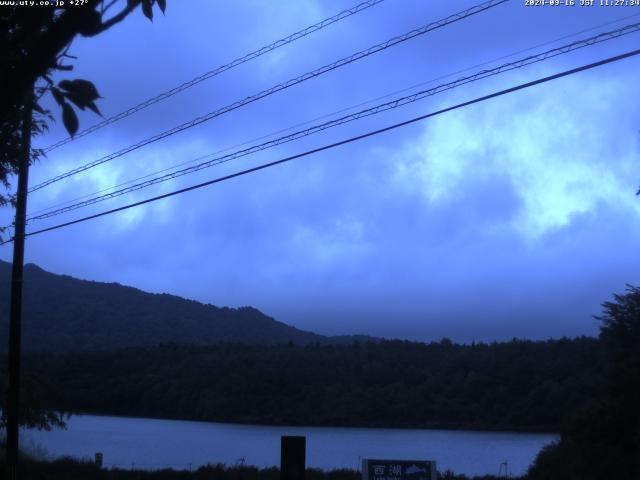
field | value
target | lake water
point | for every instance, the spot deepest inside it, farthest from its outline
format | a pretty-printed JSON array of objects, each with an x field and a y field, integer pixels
[{"x": 153, "y": 443}]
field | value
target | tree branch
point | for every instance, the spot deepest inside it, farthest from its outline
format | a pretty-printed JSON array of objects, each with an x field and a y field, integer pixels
[
  {"x": 132, "y": 5},
  {"x": 107, "y": 7},
  {"x": 54, "y": 39}
]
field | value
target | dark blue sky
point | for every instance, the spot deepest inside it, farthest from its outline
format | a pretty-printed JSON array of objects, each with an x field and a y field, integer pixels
[{"x": 513, "y": 217}]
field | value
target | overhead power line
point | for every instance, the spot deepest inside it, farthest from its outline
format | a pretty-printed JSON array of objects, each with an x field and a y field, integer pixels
[
  {"x": 282, "y": 86},
  {"x": 342, "y": 142},
  {"x": 398, "y": 102},
  {"x": 327, "y": 115},
  {"x": 221, "y": 69}
]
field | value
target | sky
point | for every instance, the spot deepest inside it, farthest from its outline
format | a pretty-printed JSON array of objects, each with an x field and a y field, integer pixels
[{"x": 513, "y": 217}]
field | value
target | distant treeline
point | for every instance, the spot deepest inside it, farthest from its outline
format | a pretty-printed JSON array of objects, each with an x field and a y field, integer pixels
[{"x": 521, "y": 385}]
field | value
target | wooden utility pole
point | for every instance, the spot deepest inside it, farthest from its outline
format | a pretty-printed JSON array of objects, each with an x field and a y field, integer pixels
[{"x": 15, "y": 318}]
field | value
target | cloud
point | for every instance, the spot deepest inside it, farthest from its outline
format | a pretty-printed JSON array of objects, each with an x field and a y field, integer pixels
[
  {"x": 513, "y": 217},
  {"x": 556, "y": 148}
]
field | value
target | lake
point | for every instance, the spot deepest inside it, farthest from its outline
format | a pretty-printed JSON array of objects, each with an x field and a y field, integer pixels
[{"x": 154, "y": 443}]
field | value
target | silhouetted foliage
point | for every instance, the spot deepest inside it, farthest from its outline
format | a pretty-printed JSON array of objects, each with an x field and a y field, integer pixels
[
  {"x": 33, "y": 411},
  {"x": 34, "y": 41},
  {"x": 70, "y": 469},
  {"x": 74, "y": 469},
  {"x": 602, "y": 439},
  {"x": 518, "y": 385}
]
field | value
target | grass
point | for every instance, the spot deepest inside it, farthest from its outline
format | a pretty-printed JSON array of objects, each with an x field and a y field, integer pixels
[
  {"x": 72, "y": 469},
  {"x": 33, "y": 467}
]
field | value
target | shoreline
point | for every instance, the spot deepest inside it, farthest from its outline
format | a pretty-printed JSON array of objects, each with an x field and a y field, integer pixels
[{"x": 432, "y": 427}]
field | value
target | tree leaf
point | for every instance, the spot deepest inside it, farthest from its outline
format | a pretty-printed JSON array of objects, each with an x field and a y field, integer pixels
[
  {"x": 162, "y": 4},
  {"x": 77, "y": 101},
  {"x": 91, "y": 22},
  {"x": 82, "y": 93},
  {"x": 92, "y": 106},
  {"x": 87, "y": 88},
  {"x": 66, "y": 85},
  {"x": 84, "y": 89},
  {"x": 147, "y": 10},
  {"x": 70, "y": 119},
  {"x": 57, "y": 95},
  {"x": 39, "y": 109}
]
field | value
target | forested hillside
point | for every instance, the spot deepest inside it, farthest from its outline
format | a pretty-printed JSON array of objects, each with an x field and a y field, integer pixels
[
  {"x": 62, "y": 313},
  {"x": 514, "y": 385}
]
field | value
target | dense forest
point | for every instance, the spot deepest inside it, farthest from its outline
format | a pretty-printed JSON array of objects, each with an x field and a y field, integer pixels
[
  {"x": 601, "y": 438},
  {"x": 62, "y": 313},
  {"x": 519, "y": 385}
]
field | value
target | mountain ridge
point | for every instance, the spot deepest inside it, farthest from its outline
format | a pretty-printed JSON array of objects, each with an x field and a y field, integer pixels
[{"x": 64, "y": 313}]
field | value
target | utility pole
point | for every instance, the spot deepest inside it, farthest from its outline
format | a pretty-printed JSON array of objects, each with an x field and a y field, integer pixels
[{"x": 15, "y": 318}]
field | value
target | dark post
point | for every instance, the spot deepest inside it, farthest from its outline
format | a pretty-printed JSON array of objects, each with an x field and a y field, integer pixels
[
  {"x": 292, "y": 458},
  {"x": 15, "y": 316}
]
